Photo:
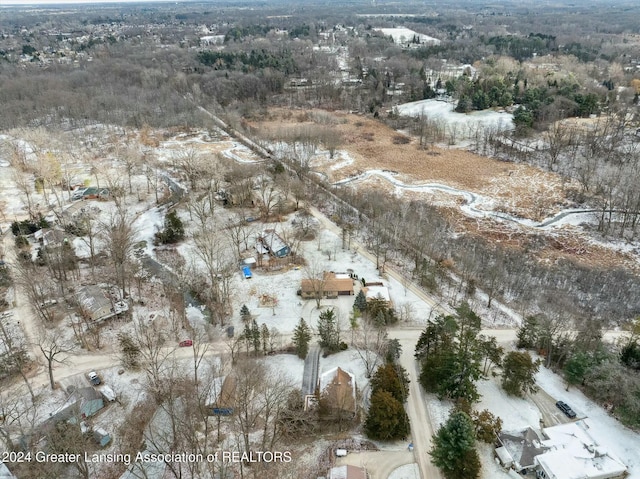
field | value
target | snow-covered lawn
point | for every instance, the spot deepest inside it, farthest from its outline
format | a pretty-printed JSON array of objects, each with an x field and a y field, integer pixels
[
  {"x": 466, "y": 124},
  {"x": 516, "y": 413}
]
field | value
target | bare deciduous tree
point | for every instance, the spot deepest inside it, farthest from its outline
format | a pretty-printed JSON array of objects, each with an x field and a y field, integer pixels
[
  {"x": 118, "y": 233},
  {"x": 55, "y": 350}
]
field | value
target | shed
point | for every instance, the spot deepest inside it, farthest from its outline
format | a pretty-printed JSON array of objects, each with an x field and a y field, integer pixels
[
  {"x": 250, "y": 262},
  {"x": 108, "y": 393},
  {"x": 274, "y": 244},
  {"x": 505, "y": 458},
  {"x": 101, "y": 437}
]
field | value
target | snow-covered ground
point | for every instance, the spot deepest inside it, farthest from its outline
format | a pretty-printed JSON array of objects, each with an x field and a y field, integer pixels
[
  {"x": 516, "y": 413},
  {"x": 402, "y": 35},
  {"x": 466, "y": 125},
  {"x": 329, "y": 255},
  {"x": 408, "y": 471}
]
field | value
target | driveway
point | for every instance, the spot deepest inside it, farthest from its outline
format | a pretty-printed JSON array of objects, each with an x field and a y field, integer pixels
[
  {"x": 551, "y": 415},
  {"x": 379, "y": 464},
  {"x": 310, "y": 374}
]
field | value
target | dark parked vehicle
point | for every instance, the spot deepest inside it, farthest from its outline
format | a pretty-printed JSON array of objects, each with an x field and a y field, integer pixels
[
  {"x": 186, "y": 342},
  {"x": 565, "y": 408}
]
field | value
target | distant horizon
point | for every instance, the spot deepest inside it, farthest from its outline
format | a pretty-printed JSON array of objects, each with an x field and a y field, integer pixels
[{"x": 40, "y": 3}]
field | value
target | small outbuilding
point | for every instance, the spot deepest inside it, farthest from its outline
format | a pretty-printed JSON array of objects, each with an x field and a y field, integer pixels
[{"x": 274, "y": 244}]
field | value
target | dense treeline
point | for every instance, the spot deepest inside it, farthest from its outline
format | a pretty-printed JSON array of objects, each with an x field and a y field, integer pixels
[{"x": 247, "y": 62}]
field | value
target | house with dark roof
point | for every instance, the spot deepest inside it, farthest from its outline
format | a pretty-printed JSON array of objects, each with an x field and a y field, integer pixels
[
  {"x": 81, "y": 403},
  {"x": 574, "y": 452},
  {"x": 274, "y": 244},
  {"x": 519, "y": 448},
  {"x": 565, "y": 451}
]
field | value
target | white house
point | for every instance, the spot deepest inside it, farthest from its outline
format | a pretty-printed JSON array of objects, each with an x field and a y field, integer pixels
[{"x": 575, "y": 454}]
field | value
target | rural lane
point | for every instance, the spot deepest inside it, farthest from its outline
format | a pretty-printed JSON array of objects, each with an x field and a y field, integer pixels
[{"x": 421, "y": 424}]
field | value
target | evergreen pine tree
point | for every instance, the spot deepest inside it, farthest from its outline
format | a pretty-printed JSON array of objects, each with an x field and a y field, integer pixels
[
  {"x": 301, "y": 338},
  {"x": 255, "y": 335},
  {"x": 386, "y": 419},
  {"x": 245, "y": 314},
  {"x": 329, "y": 331},
  {"x": 360, "y": 302},
  {"x": 264, "y": 335},
  {"x": 454, "y": 448}
]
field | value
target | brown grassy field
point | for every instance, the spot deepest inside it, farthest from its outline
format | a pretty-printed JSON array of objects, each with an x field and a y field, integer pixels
[{"x": 517, "y": 189}]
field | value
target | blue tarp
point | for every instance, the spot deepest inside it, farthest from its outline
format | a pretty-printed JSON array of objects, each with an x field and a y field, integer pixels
[{"x": 247, "y": 272}]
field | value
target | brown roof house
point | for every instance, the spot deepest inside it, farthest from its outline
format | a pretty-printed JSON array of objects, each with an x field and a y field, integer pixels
[
  {"x": 347, "y": 472},
  {"x": 331, "y": 285},
  {"x": 338, "y": 393}
]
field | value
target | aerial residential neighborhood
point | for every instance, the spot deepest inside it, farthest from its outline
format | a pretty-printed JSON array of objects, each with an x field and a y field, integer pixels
[{"x": 354, "y": 240}]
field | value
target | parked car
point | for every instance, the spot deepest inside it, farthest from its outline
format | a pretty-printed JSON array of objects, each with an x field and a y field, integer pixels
[
  {"x": 186, "y": 342},
  {"x": 108, "y": 393},
  {"x": 93, "y": 378},
  {"x": 565, "y": 408}
]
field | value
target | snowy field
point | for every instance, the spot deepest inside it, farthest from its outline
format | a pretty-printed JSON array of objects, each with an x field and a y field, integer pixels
[
  {"x": 403, "y": 35},
  {"x": 465, "y": 124}
]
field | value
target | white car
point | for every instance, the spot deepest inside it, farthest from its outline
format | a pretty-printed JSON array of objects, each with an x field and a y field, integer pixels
[{"x": 94, "y": 378}]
